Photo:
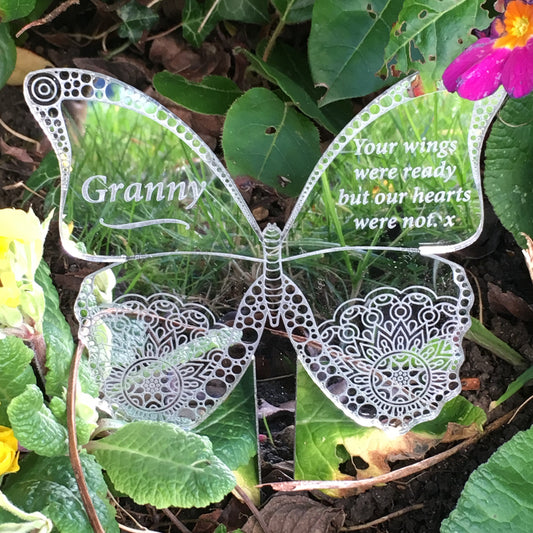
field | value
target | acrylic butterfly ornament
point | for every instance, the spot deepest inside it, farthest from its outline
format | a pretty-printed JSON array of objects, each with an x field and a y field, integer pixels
[{"x": 375, "y": 319}]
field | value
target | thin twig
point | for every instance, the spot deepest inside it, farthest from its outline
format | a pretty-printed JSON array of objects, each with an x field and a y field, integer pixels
[
  {"x": 480, "y": 300},
  {"x": 378, "y": 521},
  {"x": 48, "y": 18},
  {"x": 251, "y": 505},
  {"x": 364, "y": 484},
  {"x": 132, "y": 530},
  {"x": 163, "y": 33},
  {"x": 519, "y": 408},
  {"x": 130, "y": 516},
  {"x": 24, "y": 186},
  {"x": 175, "y": 521},
  {"x": 208, "y": 15},
  {"x": 19, "y": 135},
  {"x": 73, "y": 443}
]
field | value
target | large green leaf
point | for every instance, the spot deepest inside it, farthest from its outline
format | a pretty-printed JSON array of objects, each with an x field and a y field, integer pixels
[
  {"x": 213, "y": 95},
  {"x": 163, "y": 465},
  {"x": 232, "y": 427},
  {"x": 497, "y": 496},
  {"x": 15, "y": 9},
  {"x": 15, "y": 372},
  {"x": 294, "y": 11},
  {"x": 254, "y": 11},
  {"x": 429, "y": 34},
  {"x": 347, "y": 45},
  {"x": 35, "y": 426},
  {"x": 48, "y": 485},
  {"x": 59, "y": 343},
  {"x": 508, "y": 156},
  {"x": 293, "y": 90},
  {"x": 8, "y": 54},
  {"x": 269, "y": 140}
]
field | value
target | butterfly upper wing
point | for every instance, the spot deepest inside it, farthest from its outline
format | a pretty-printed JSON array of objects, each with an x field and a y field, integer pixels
[
  {"x": 135, "y": 180},
  {"x": 403, "y": 173}
]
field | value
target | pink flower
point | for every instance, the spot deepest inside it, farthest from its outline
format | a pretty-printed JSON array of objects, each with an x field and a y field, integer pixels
[{"x": 503, "y": 56}]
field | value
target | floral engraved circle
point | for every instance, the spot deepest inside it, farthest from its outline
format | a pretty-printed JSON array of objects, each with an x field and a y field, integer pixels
[
  {"x": 45, "y": 89},
  {"x": 150, "y": 386},
  {"x": 400, "y": 378}
]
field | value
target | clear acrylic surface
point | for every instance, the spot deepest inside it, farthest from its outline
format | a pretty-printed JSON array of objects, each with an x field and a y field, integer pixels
[{"x": 376, "y": 321}]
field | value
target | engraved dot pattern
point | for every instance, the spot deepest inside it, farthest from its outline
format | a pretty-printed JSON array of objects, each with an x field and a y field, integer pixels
[{"x": 131, "y": 343}]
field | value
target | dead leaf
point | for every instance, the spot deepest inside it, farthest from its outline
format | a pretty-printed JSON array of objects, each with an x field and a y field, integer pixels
[
  {"x": 195, "y": 64},
  {"x": 26, "y": 62},
  {"x": 286, "y": 513},
  {"x": 378, "y": 449},
  {"x": 508, "y": 303},
  {"x": 18, "y": 153},
  {"x": 208, "y": 522}
]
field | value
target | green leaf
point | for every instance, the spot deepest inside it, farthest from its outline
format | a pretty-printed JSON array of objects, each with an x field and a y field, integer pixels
[
  {"x": 232, "y": 427},
  {"x": 293, "y": 90},
  {"x": 35, "y": 426},
  {"x": 513, "y": 387},
  {"x": 267, "y": 139},
  {"x": 59, "y": 343},
  {"x": 508, "y": 156},
  {"x": 84, "y": 429},
  {"x": 326, "y": 437},
  {"x": 163, "y": 465},
  {"x": 479, "y": 334},
  {"x": 48, "y": 485},
  {"x": 497, "y": 496},
  {"x": 194, "y": 17},
  {"x": 15, "y": 9},
  {"x": 136, "y": 18},
  {"x": 429, "y": 34},
  {"x": 458, "y": 411},
  {"x": 346, "y": 45},
  {"x": 15, "y": 372},
  {"x": 212, "y": 96},
  {"x": 8, "y": 54},
  {"x": 294, "y": 64},
  {"x": 294, "y": 11},
  {"x": 45, "y": 178},
  {"x": 254, "y": 11}
]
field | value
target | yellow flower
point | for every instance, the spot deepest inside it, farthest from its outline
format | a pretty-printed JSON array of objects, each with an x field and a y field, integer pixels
[
  {"x": 21, "y": 249},
  {"x": 21, "y": 242},
  {"x": 9, "y": 290},
  {"x": 9, "y": 453}
]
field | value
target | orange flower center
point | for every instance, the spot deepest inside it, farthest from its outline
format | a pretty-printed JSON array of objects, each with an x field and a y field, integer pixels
[{"x": 518, "y": 23}]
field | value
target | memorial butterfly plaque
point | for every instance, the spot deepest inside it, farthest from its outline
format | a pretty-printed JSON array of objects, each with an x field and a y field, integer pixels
[{"x": 376, "y": 321}]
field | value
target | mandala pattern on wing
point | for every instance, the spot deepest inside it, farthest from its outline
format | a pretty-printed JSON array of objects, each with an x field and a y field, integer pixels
[
  {"x": 159, "y": 358},
  {"x": 398, "y": 355}
]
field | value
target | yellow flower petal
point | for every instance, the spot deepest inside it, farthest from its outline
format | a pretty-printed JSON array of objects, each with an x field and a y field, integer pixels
[
  {"x": 9, "y": 453},
  {"x": 16, "y": 224}
]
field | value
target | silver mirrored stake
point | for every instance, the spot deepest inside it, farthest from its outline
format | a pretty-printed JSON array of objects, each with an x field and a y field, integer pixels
[{"x": 375, "y": 321}]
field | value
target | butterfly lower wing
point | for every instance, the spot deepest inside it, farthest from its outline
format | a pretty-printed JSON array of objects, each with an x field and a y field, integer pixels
[
  {"x": 385, "y": 349},
  {"x": 158, "y": 355}
]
